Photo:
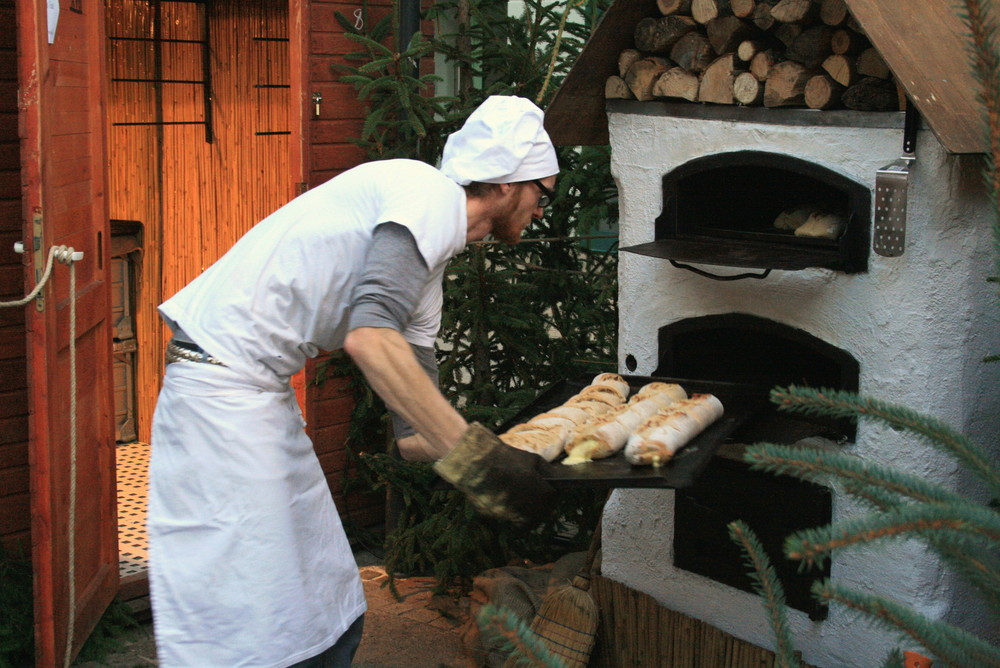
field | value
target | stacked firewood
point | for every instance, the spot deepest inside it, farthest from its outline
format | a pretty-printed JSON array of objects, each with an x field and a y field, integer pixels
[{"x": 775, "y": 53}]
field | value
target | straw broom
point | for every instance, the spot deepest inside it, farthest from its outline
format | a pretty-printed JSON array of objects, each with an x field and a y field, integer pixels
[{"x": 566, "y": 620}]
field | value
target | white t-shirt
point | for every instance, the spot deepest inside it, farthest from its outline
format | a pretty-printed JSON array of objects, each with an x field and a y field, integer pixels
[{"x": 282, "y": 292}]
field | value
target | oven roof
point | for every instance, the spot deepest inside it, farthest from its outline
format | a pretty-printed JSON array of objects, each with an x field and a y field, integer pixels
[{"x": 923, "y": 43}]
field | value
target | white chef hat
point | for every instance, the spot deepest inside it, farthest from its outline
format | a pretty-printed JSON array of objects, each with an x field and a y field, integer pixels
[{"x": 502, "y": 141}]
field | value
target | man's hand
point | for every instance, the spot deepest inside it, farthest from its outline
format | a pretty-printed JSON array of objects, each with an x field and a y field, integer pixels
[{"x": 500, "y": 481}]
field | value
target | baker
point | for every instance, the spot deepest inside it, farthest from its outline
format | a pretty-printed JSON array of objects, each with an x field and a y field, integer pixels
[{"x": 249, "y": 564}]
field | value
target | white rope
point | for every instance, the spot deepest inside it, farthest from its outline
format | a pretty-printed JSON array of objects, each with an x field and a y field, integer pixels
[
  {"x": 71, "y": 622},
  {"x": 66, "y": 255}
]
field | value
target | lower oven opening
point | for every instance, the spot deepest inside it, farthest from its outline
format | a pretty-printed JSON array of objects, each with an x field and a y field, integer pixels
[{"x": 747, "y": 349}]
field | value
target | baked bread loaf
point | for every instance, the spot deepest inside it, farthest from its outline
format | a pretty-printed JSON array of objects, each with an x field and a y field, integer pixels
[
  {"x": 660, "y": 436},
  {"x": 546, "y": 434},
  {"x": 607, "y": 434},
  {"x": 544, "y": 440}
]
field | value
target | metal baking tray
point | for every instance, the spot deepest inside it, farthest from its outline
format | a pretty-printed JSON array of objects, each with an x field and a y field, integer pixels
[{"x": 740, "y": 402}]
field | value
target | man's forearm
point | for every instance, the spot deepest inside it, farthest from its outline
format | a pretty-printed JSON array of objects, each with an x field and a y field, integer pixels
[{"x": 391, "y": 368}]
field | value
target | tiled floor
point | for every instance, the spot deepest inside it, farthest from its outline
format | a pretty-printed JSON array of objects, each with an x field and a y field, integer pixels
[{"x": 133, "y": 461}]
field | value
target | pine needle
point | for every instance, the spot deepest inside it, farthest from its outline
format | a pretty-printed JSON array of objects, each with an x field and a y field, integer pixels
[
  {"x": 956, "y": 523},
  {"x": 822, "y": 466},
  {"x": 953, "y": 646},
  {"x": 848, "y": 404},
  {"x": 766, "y": 584},
  {"x": 501, "y": 625}
]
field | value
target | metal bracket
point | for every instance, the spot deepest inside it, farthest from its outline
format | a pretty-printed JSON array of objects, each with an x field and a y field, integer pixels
[
  {"x": 719, "y": 277},
  {"x": 38, "y": 255}
]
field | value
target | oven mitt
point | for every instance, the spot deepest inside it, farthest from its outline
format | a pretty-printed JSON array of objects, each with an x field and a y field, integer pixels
[{"x": 500, "y": 481}]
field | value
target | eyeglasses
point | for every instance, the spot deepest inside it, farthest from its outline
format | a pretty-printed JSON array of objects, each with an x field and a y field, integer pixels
[{"x": 547, "y": 195}]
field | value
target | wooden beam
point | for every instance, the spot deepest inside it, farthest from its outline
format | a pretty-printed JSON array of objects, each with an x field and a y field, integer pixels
[
  {"x": 925, "y": 46},
  {"x": 576, "y": 115}
]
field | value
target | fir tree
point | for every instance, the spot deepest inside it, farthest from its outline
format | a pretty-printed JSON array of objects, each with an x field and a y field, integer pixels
[{"x": 516, "y": 319}]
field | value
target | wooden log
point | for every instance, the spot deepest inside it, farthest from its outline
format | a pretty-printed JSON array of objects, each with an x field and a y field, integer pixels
[
  {"x": 749, "y": 48},
  {"x": 795, "y": 11},
  {"x": 626, "y": 59},
  {"x": 787, "y": 33},
  {"x": 761, "y": 16},
  {"x": 870, "y": 64},
  {"x": 811, "y": 47},
  {"x": 871, "y": 94},
  {"x": 833, "y": 12},
  {"x": 854, "y": 25},
  {"x": 704, "y": 11},
  {"x": 642, "y": 75},
  {"x": 693, "y": 52},
  {"x": 668, "y": 7},
  {"x": 726, "y": 33},
  {"x": 717, "y": 80},
  {"x": 678, "y": 83},
  {"x": 615, "y": 88},
  {"x": 786, "y": 84},
  {"x": 822, "y": 92},
  {"x": 747, "y": 89},
  {"x": 743, "y": 9},
  {"x": 841, "y": 69},
  {"x": 845, "y": 41},
  {"x": 654, "y": 35},
  {"x": 762, "y": 63}
]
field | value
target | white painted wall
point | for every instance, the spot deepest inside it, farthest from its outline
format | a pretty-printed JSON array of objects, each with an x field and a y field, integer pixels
[{"x": 918, "y": 324}]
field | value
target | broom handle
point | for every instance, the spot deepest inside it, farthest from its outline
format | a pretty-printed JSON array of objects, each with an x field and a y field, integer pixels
[{"x": 595, "y": 543}]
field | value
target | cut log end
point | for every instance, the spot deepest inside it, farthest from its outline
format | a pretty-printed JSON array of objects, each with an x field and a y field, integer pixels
[
  {"x": 615, "y": 88},
  {"x": 747, "y": 89},
  {"x": 822, "y": 92},
  {"x": 677, "y": 83}
]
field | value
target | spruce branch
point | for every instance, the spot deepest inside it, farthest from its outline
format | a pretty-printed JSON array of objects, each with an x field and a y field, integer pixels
[
  {"x": 849, "y": 404},
  {"x": 819, "y": 465},
  {"x": 501, "y": 625},
  {"x": 768, "y": 586},
  {"x": 894, "y": 660},
  {"x": 958, "y": 524},
  {"x": 979, "y": 566},
  {"x": 952, "y": 645}
]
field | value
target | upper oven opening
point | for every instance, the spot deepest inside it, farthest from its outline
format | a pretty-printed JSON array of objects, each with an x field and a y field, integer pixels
[{"x": 764, "y": 210}]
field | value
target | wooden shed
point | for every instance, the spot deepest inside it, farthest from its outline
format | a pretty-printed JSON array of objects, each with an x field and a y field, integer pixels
[
  {"x": 925, "y": 46},
  {"x": 148, "y": 135}
]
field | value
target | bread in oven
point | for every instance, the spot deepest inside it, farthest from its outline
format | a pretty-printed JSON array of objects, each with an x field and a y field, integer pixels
[{"x": 661, "y": 435}]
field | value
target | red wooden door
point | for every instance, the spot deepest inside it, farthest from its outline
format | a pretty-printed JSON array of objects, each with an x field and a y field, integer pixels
[{"x": 73, "y": 527}]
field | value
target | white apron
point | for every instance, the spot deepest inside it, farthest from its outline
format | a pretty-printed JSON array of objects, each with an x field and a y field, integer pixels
[{"x": 249, "y": 564}]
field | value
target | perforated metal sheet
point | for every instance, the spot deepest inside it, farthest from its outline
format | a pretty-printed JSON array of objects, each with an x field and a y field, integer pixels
[{"x": 889, "y": 233}]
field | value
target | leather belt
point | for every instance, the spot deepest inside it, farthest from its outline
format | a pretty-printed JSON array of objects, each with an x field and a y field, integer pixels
[{"x": 180, "y": 351}]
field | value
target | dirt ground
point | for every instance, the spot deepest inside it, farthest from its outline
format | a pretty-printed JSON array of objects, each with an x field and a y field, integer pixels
[{"x": 403, "y": 633}]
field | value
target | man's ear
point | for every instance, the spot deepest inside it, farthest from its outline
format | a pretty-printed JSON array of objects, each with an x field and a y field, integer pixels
[{"x": 505, "y": 188}]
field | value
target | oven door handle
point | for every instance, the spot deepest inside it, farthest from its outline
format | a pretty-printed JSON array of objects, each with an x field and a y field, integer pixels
[{"x": 718, "y": 277}]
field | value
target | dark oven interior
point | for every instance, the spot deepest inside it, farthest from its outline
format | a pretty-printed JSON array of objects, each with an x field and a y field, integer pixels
[
  {"x": 747, "y": 349},
  {"x": 722, "y": 209}
]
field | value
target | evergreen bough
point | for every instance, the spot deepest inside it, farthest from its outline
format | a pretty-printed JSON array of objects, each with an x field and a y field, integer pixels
[{"x": 516, "y": 318}]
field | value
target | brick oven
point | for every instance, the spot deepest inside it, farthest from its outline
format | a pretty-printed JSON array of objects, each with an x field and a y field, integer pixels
[{"x": 708, "y": 291}]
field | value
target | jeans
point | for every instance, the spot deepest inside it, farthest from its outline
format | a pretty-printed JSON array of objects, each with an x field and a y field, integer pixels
[{"x": 341, "y": 653}]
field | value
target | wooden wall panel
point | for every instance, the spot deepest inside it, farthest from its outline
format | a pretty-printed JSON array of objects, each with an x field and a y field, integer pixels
[
  {"x": 14, "y": 481},
  {"x": 194, "y": 198},
  {"x": 330, "y": 150}
]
